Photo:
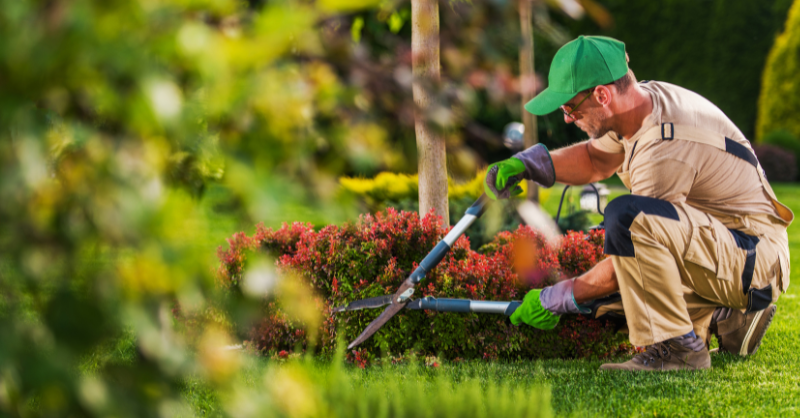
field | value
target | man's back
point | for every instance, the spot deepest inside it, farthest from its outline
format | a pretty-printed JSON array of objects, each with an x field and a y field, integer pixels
[{"x": 703, "y": 176}]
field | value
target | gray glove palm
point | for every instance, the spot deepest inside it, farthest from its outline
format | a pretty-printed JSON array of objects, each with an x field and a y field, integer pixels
[{"x": 538, "y": 165}]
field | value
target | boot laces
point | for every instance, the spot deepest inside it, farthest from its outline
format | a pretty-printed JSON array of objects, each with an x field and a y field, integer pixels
[{"x": 651, "y": 353}]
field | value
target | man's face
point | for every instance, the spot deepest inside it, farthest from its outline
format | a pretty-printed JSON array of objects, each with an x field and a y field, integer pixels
[{"x": 588, "y": 115}]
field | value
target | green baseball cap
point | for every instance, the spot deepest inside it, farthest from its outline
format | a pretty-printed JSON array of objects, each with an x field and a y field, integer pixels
[{"x": 579, "y": 65}]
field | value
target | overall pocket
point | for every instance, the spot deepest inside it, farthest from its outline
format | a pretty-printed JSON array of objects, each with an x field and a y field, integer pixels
[{"x": 702, "y": 249}]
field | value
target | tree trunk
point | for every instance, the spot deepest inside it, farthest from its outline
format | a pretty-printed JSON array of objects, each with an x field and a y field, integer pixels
[
  {"x": 432, "y": 160},
  {"x": 527, "y": 79}
]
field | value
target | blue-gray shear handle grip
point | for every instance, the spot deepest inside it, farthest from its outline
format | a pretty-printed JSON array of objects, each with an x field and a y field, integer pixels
[
  {"x": 512, "y": 307},
  {"x": 430, "y": 261},
  {"x": 445, "y": 305},
  {"x": 435, "y": 256},
  {"x": 442, "y": 248},
  {"x": 417, "y": 275}
]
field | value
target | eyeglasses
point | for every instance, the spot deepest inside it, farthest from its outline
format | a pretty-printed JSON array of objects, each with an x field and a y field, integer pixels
[{"x": 569, "y": 114}]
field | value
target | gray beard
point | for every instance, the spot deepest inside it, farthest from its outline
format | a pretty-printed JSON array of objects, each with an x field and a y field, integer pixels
[
  {"x": 600, "y": 132},
  {"x": 596, "y": 131}
]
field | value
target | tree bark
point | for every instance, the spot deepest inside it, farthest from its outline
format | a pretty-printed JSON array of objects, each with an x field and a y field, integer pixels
[
  {"x": 432, "y": 159},
  {"x": 527, "y": 79}
]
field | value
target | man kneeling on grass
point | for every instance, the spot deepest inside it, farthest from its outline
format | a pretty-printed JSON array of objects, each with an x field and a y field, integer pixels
[{"x": 700, "y": 244}]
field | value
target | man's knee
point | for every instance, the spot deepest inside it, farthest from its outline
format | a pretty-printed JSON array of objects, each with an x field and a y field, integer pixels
[{"x": 619, "y": 216}]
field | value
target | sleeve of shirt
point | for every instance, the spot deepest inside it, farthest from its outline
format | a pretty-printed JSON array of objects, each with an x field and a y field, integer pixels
[
  {"x": 666, "y": 179},
  {"x": 609, "y": 143}
]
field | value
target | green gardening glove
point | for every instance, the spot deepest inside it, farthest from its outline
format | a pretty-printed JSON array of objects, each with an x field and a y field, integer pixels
[
  {"x": 502, "y": 179},
  {"x": 532, "y": 313}
]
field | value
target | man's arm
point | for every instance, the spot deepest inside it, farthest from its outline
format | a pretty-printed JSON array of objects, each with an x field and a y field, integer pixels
[
  {"x": 583, "y": 163},
  {"x": 600, "y": 281},
  {"x": 541, "y": 307}
]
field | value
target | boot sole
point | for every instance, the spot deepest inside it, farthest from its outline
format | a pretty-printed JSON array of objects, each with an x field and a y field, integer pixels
[{"x": 762, "y": 317}]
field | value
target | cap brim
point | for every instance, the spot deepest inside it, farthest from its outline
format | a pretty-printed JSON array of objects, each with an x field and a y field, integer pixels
[{"x": 548, "y": 101}]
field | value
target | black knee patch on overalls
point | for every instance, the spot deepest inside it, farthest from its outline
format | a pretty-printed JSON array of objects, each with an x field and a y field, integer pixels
[
  {"x": 757, "y": 299},
  {"x": 620, "y": 214},
  {"x": 747, "y": 243}
]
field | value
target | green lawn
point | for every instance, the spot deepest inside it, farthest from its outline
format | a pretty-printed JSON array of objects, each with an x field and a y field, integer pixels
[{"x": 767, "y": 384}]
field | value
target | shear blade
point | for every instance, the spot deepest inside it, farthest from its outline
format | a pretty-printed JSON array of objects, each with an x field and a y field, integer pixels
[
  {"x": 385, "y": 316},
  {"x": 369, "y": 303},
  {"x": 375, "y": 325}
]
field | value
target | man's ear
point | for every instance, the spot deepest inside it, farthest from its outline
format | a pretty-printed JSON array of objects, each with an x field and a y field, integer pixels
[{"x": 603, "y": 95}]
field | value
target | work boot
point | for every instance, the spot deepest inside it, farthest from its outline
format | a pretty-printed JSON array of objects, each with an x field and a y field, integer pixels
[
  {"x": 680, "y": 353},
  {"x": 740, "y": 333}
]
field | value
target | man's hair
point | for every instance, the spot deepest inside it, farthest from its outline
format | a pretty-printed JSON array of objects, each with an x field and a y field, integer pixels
[
  {"x": 622, "y": 84},
  {"x": 627, "y": 80}
]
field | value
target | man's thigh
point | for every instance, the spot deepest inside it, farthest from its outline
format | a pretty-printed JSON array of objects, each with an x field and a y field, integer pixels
[
  {"x": 726, "y": 267},
  {"x": 729, "y": 267}
]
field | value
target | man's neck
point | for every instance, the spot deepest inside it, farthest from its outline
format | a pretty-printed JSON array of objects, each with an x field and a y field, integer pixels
[{"x": 631, "y": 111}]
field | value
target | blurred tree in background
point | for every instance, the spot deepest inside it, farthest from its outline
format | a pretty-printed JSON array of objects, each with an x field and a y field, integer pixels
[{"x": 779, "y": 105}]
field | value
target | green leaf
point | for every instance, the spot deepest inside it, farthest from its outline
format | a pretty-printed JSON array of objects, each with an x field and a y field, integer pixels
[
  {"x": 355, "y": 30},
  {"x": 396, "y": 22}
]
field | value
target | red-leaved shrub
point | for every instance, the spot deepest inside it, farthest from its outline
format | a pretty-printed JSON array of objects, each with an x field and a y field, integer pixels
[{"x": 373, "y": 256}]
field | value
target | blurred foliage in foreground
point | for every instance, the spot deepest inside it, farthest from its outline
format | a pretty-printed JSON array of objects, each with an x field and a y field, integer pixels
[
  {"x": 115, "y": 115},
  {"x": 427, "y": 387}
]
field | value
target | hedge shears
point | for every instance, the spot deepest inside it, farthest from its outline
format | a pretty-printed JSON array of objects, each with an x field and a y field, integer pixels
[{"x": 401, "y": 299}]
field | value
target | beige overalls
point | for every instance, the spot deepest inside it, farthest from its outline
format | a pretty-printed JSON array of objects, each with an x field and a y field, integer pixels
[{"x": 702, "y": 227}]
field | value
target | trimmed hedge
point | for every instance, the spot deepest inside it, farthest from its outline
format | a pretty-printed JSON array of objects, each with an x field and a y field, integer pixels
[
  {"x": 373, "y": 256},
  {"x": 400, "y": 191},
  {"x": 779, "y": 104}
]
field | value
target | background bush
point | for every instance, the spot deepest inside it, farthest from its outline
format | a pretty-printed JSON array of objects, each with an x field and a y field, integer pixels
[
  {"x": 373, "y": 256},
  {"x": 778, "y": 163},
  {"x": 386, "y": 189},
  {"x": 786, "y": 140}
]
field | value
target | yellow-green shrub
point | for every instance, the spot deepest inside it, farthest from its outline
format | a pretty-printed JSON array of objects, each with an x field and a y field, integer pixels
[
  {"x": 401, "y": 191},
  {"x": 388, "y": 187},
  {"x": 779, "y": 104}
]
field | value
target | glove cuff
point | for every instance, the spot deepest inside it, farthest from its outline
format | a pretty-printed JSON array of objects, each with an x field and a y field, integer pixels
[
  {"x": 538, "y": 165},
  {"x": 560, "y": 300}
]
